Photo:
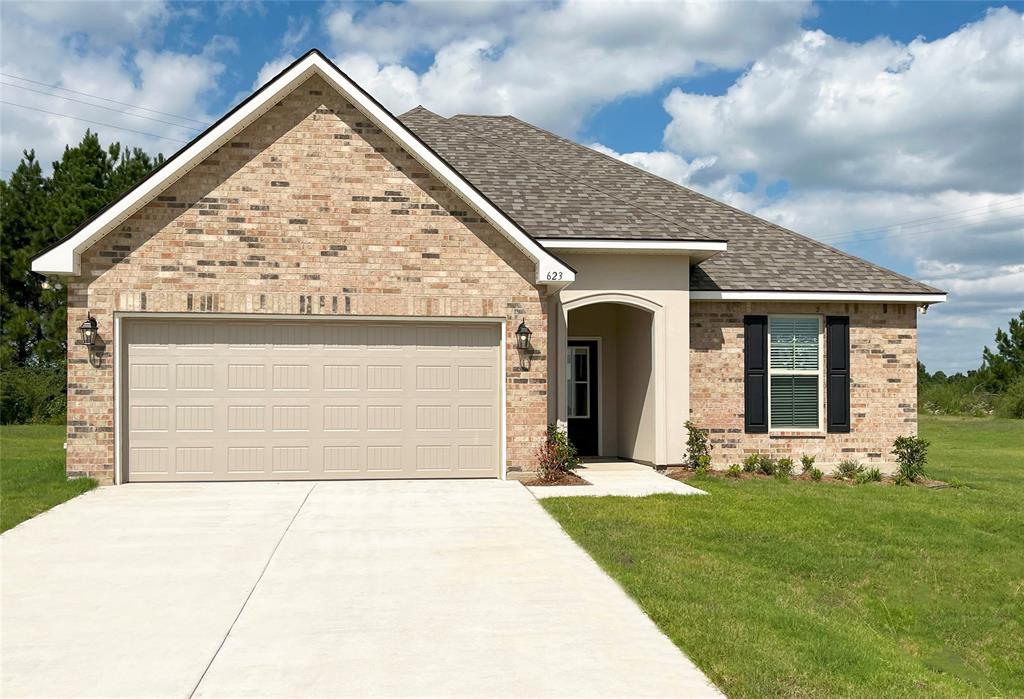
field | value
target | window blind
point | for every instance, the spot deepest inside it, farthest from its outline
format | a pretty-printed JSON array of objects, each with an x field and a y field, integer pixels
[{"x": 794, "y": 401}]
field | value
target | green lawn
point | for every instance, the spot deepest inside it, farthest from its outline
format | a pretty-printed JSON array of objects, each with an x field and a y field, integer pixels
[
  {"x": 32, "y": 476},
  {"x": 807, "y": 589}
]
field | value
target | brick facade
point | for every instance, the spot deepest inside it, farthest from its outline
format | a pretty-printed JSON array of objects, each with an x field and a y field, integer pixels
[
  {"x": 883, "y": 376},
  {"x": 311, "y": 210}
]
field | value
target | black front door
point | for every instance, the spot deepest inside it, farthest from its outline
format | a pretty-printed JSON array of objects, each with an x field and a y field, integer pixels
[{"x": 582, "y": 396}]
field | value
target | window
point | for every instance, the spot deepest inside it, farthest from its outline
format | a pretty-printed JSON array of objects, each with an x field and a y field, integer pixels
[
  {"x": 579, "y": 382},
  {"x": 794, "y": 372}
]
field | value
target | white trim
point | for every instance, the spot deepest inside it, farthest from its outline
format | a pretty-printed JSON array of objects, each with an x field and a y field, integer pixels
[
  {"x": 118, "y": 457},
  {"x": 612, "y": 297},
  {"x": 121, "y": 351},
  {"x": 822, "y": 407},
  {"x": 600, "y": 383},
  {"x": 814, "y": 296},
  {"x": 503, "y": 401},
  {"x": 595, "y": 245},
  {"x": 65, "y": 257}
]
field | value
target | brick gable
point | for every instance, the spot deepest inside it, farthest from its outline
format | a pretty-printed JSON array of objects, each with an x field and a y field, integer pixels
[{"x": 311, "y": 210}]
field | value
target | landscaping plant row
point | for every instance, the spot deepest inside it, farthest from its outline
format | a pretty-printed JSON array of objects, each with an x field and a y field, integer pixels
[{"x": 911, "y": 455}]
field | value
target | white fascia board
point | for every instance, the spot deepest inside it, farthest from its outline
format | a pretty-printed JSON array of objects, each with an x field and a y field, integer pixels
[
  {"x": 838, "y": 296},
  {"x": 667, "y": 246},
  {"x": 65, "y": 258}
]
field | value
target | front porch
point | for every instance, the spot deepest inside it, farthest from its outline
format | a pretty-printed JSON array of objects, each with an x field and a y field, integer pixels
[{"x": 619, "y": 374}]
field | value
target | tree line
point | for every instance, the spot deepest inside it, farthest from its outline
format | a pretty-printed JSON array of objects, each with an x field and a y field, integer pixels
[
  {"x": 995, "y": 388},
  {"x": 37, "y": 210}
]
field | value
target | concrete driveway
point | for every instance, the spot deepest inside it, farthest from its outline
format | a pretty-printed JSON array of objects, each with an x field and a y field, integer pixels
[{"x": 443, "y": 588}]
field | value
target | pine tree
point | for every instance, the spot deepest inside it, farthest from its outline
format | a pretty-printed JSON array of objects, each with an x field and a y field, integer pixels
[{"x": 1002, "y": 367}]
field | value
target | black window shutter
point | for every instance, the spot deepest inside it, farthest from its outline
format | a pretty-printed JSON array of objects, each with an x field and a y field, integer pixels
[
  {"x": 837, "y": 380},
  {"x": 755, "y": 373}
]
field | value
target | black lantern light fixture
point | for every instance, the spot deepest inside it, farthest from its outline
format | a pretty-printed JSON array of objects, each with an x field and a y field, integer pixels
[
  {"x": 88, "y": 331},
  {"x": 523, "y": 334}
]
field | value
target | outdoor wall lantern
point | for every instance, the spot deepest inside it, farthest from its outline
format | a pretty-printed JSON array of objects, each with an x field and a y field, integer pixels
[
  {"x": 523, "y": 334},
  {"x": 88, "y": 331}
]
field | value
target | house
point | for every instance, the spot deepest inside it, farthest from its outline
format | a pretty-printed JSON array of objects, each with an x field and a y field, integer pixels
[{"x": 316, "y": 288}]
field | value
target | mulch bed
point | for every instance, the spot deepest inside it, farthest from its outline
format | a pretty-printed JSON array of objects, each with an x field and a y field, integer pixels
[
  {"x": 685, "y": 474},
  {"x": 564, "y": 479}
]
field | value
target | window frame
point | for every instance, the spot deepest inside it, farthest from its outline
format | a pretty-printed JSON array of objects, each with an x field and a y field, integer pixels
[
  {"x": 572, "y": 381},
  {"x": 819, "y": 372}
]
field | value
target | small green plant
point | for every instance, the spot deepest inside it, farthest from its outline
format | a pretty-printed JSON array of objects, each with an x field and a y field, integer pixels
[
  {"x": 766, "y": 465},
  {"x": 871, "y": 475},
  {"x": 557, "y": 455},
  {"x": 911, "y": 456},
  {"x": 848, "y": 470},
  {"x": 698, "y": 447},
  {"x": 784, "y": 466},
  {"x": 806, "y": 464},
  {"x": 750, "y": 463},
  {"x": 816, "y": 474},
  {"x": 956, "y": 483},
  {"x": 734, "y": 471},
  {"x": 702, "y": 469},
  {"x": 781, "y": 476}
]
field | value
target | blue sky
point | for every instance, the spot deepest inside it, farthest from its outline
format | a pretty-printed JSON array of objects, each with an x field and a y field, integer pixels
[{"x": 892, "y": 130}]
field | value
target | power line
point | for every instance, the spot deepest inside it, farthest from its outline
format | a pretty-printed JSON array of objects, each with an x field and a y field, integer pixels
[
  {"x": 100, "y": 106},
  {"x": 915, "y": 234},
  {"x": 914, "y": 223},
  {"x": 963, "y": 222},
  {"x": 90, "y": 121},
  {"x": 105, "y": 99}
]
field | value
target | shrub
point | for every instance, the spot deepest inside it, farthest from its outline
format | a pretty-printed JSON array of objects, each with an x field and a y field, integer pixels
[
  {"x": 766, "y": 465},
  {"x": 816, "y": 474},
  {"x": 698, "y": 447},
  {"x": 1011, "y": 403},
  {"x": 750, "y": 463},
  {"x": 32, "y": 394},
  {"x": 703, "y": 468},
  {"x": 780, "y": 475},
  {"x": 734, "y": 471},
  {"x": 956, "y": 398},
  {"x": 848, "y": 470},
  {"x": 806, "y": 464},
  {"x": 557, "y": 456},
  {"x": 872, "y": 475},
  {"x": 784, "y": 466},
  {"x": 911, "y": 456}
]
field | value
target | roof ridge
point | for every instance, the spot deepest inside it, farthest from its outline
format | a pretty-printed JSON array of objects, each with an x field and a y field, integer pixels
[
  {"x": 705, "y": 197},
  {"x": 573, "y": 177}
]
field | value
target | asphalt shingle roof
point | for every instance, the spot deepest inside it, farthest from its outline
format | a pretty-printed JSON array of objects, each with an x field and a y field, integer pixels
[{"x": 556, "y": 188}]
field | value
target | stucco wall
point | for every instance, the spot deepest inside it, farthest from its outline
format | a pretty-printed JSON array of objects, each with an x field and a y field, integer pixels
[
  {"x": 311, "y": 210},
  {"x": 883, "y": 376},
  {"x": 659, "y": 283},
  {"x": 636, "y": 419}
]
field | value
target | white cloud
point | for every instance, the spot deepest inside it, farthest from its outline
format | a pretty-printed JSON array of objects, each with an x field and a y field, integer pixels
[
  {"x": 296, "y": 33},
  {"x": 662, "y": 163},
  {"x": 919, "y": 117},
  {"x": 68, "y": 46},
  {"x": 550, "y": 64}
]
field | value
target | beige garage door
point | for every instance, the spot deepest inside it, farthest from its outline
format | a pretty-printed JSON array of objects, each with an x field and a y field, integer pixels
[{"x": 273, "y": 400}]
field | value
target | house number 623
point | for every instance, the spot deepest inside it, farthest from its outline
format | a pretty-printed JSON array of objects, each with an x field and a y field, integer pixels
[{"x": 554, "y": 276}]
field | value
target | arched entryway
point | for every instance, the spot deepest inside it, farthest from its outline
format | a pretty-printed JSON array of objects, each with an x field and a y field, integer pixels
[{"x": 610, "y": 383}]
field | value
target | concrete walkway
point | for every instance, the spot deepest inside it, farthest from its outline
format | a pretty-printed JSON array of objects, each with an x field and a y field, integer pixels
[
  {"x": 617, "y": 478},
  {"x": 444, "y": 588}
]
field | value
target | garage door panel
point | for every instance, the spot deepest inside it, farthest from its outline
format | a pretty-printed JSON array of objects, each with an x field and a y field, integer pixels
[{"x": 252, "y": 400}]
